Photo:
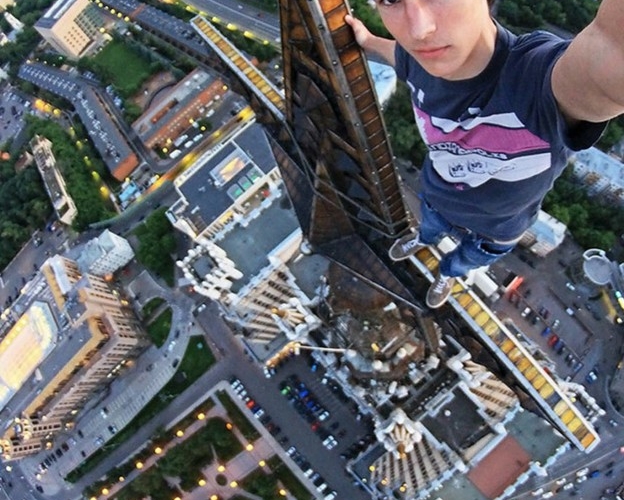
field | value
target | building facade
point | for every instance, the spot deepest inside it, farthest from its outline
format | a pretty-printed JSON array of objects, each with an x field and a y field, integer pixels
[
  {"x": 72, "y": 27},
  {"x": 76, "y": 305},
  {"x": 105, "y": 254},
  {"x": 64, "y": 206}
]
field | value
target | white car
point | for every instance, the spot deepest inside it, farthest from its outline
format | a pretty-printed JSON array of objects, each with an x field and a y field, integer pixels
[
  {"x": 321, "y": 487},
  {"x": 330, "y": 496},
  {"x": 291, "y": 451},
  {"x": 330, "y": 442}
]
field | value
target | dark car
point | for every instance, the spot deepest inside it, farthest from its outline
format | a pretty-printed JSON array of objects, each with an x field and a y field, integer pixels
[{"x": 592, "y": 376}]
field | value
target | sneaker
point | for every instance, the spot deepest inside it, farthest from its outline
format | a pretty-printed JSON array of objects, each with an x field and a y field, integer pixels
[
  {"x": 405, "y": 247},
  {"x": 439, "y": 291}
]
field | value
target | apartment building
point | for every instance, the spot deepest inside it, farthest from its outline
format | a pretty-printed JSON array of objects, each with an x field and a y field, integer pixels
[
  {"x": 104, "y": 255},
  {"x": 53, "y": 181},
  {"x": 75, "y": 335},
  {"x": 72, "y": 27}
]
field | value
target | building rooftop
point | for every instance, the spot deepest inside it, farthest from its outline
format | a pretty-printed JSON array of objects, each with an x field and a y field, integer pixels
[
  {"x": 603, "y": 164},
  {"x": 25, "y": 347},
  {"x": 52, "y": 15},
  {"x": 249, "y": 246},
  {"x": 108, "y": 140},
  {"x": 218, "y": 179},
  {"x": 457, "y": 423}
]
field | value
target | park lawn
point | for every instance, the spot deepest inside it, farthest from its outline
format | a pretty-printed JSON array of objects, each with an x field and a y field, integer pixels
[
  {"x": 288, "y": 479},
  {"x": 238, "y": 418},
  {"x": 152, "y": 306},
  {"x": 126, "y": 68},
  {"x": 158, "y": 330}
]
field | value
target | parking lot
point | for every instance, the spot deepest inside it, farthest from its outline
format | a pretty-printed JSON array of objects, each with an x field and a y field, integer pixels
[
  {"x": 316, "y": 424},
  {"x": 12, "y": 108}
]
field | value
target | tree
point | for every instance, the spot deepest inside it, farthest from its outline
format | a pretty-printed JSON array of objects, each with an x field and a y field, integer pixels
[{"x": 399, "y": 119}]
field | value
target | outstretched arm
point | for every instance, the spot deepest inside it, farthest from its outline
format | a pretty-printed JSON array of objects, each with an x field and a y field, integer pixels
[
  {"x": 588, "y": 79},
  {"x": 371, "y": 43}
]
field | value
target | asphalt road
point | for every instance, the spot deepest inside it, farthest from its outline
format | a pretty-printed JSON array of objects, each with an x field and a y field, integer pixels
[{"x": 263, "y": 25}]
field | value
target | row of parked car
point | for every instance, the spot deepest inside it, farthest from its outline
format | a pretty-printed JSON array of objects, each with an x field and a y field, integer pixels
[
  {"x": 241, "y": 392},
  {"x": 557, "y": 344},
  {"x": 320, "y": 484},
  {"x": 317, "y": 480},
  {"x": 306, "y": 404}
]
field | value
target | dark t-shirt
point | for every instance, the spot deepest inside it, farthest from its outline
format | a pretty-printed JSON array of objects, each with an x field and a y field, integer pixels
[{"x": 497, "y": 141}]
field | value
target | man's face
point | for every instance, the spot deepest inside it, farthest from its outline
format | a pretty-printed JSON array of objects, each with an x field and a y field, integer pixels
[{"x": 450, "y": 39}]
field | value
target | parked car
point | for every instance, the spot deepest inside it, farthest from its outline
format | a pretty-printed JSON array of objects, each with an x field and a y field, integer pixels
[{"x": 592, "y": 376}]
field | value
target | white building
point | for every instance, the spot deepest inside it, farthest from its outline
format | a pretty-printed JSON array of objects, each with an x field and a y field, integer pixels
[
  {"x": 601, "y": 174},
  {"x": 105, "y": 255},
  {"x": 63, "y": 203},
  {"x": 546, "y": 234},
  {"x": 15, "y": 23}
]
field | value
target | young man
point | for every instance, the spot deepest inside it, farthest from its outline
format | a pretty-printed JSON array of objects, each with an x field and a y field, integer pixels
[{"x": 500, "y": 115}]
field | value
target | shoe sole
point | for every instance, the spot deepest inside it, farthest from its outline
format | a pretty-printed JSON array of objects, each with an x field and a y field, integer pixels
[
  {"x": 435, "y": 306},
  {"x": 398, "y": 259}
]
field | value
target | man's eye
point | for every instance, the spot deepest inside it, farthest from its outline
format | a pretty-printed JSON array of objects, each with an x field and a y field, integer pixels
[{"x": 388, "y": 2}]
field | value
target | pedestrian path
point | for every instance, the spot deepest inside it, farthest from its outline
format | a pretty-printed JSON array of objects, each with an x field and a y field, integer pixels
[{"x": 254, "y": 455}]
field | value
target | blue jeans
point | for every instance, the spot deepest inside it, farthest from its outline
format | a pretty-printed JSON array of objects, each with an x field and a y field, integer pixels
[{"x": 473, "y": 251}]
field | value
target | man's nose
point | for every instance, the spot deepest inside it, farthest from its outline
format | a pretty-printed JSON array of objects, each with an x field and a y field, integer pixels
[{"x": 420, "y": 18}]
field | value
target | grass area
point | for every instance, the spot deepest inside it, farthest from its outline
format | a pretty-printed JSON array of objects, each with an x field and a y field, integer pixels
[
  {"x": 238, "y": 418},
  {"x": 267, "y": 486},
  {"x": 285, "y": 476},
  {"x": 196, "y": 361},
  {"x": 158, "y": 329},
  {"x": 136, "y": 69},
  {"x": 261, "y": 484},
  {"x": 185, "y": 461},
  {"x": 151, "y": 306}
]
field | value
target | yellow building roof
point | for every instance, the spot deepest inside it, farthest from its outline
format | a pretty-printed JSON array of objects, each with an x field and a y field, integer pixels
[{"x": 24, "y": 347}]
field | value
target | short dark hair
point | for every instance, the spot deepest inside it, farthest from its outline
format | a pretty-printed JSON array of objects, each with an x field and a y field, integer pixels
[{"x": 491, "y": 3}]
